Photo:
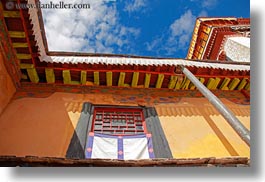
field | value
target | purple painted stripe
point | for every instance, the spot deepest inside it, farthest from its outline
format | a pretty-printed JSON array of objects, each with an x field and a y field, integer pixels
[
  {"x": 150, "y": 148},
  {"x": 120, "y": 148},
  {"x": 89, "y": 146}
]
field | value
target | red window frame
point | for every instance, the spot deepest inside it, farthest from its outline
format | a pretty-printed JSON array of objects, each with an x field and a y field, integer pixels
[{"x": 118, "y": 121}]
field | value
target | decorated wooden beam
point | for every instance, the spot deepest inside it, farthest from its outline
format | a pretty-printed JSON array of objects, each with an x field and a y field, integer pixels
[
  {"x": 172, "y": 82},
  {"x": 242, "y": 84},
  {"x": 213, "y": 83},
  {"x": 202, "y": 80},
  {"x": 66, "y": 77},
  {"x": 50, "y": 77},
  {"x": 109, "y": 78},
  {"x": 233, "y": 84},
  {"x": 147, "y": 80},
  {"x": 24, "y": 56},
  {"x": 96, "y": 78},
  {"x": 26, "y": 66},
  {"x": 121, "y": 79},
  {"x": 210, "y": 83},
  {"x": 159, "y": 81},
  {"x": 11, "y": 14},
  {"x": 216, "y": 83},
  {"x": 19, "y": 45},
  {"x": 225, "y": 83},
  {"x": 83, "y": 77},
  {"x": 33, "y": 75},
  {"x": 179, "y": 82},
  {"x": 17, "y": 34},
  {"x": 185, "y": 84},
  {"x": 135, "y": 79},
  {"x": 247, "y": 87},
  {"x": 192, "y": 86}
]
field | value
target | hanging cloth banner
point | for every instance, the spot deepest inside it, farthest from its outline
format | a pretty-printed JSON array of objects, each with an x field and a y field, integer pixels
[{"x": 103, "y": 146}]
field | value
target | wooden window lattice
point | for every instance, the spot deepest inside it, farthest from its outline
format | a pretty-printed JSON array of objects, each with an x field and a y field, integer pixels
[{"x": 118, "y": 121}]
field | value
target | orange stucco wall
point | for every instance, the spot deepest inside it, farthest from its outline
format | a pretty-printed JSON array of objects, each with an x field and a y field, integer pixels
[
  {"x": 7, "y": 88},
  {"x": 44, "y": 126}
]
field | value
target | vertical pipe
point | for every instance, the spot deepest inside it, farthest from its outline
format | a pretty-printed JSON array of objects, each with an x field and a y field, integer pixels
[{"x": 241, "y": 130}]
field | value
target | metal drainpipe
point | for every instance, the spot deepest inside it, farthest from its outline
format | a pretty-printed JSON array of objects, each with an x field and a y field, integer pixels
[{"x": 241, "y": 130}]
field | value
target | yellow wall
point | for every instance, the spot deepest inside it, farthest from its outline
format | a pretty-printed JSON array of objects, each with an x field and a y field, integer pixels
[
  {"x": 195, "y": 129},
  {"x": 7, "y": 88},
  {"x": 44, "y": 126}
]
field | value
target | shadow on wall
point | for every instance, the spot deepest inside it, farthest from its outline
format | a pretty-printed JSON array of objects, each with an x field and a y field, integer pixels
[{"x": 38, "y": 126}]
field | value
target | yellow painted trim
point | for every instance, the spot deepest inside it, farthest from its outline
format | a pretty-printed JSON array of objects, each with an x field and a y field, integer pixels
[
  {"x": 159, "y": 80},
  {"x": 242, "y": 84},
  {"x": 179, "y": 82},
  {"x": 192, "y": 86},
  {"x": 135, "y": 79},
  {"x": 83, "y": 77},
  {"x": 172, "y": 82},
  {"x": 109, "y": 78},
  {"x": 225, "y": 83},
  {"x": 233, "y": 84},
  {"x": 216, "y": 83},
  {"x": 186, "y": 84},
  {"x": 210, "y": 83},
  {"x": 247, "y": 87},
  {"x": 19, "y": 45},
  {"x": 121, "y": 79},
  {"x": 49, "y": 73},
  {"x": 33, "y": 75},
  {"x": 23, "y": 56},
  {"x": 202, "y": 80},
  {"x": 26, "y": 66},
  {"x": 96, "y": 78},
  {"x": 11, "y": 14},
  {"x": 75, "y": 82},
  {"x": 16, "y": 34},
  {"x": 89, "y": 83},
  {"x": 66, "y": 77},
  {"x": 147, "y": 80}
]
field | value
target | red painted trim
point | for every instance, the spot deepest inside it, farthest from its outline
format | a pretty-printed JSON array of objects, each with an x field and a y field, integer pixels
[
  {"x": 246, "y": 94},
  {"x": 104, "y": 70},
  {"x": 8, "y": 53}
]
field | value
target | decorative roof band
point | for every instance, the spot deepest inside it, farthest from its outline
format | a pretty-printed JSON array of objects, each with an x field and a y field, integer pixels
[
  {"x": 142, "y": 61},
  {"x": 37, "y": 32}
]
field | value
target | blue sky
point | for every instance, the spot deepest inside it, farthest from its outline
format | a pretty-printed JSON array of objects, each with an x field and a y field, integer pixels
[{"x": 157, "y": 28}]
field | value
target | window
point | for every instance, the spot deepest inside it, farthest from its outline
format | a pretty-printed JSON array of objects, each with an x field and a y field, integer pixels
[
  {"x": 148, "y": 141},
  {"x": 118, "y": 121},
  {"x": 119, "y": 133}
]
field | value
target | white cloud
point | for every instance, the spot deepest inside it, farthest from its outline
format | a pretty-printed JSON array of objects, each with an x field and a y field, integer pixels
[
  {"x": 179, "y": 35},
  {"x": 87, "y": 30},
  {"x": 209, "y": 3},
  {"x": 183, "y": 25},
  {"x": 135, "y": 5},
  {"x": 180, "y": 32},
  {"x": 206, "y": 3},
  {"x": 156, "y": 42}
]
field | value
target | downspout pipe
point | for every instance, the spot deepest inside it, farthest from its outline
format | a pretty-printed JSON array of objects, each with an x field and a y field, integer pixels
[{"x": 240, "y": 129}]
